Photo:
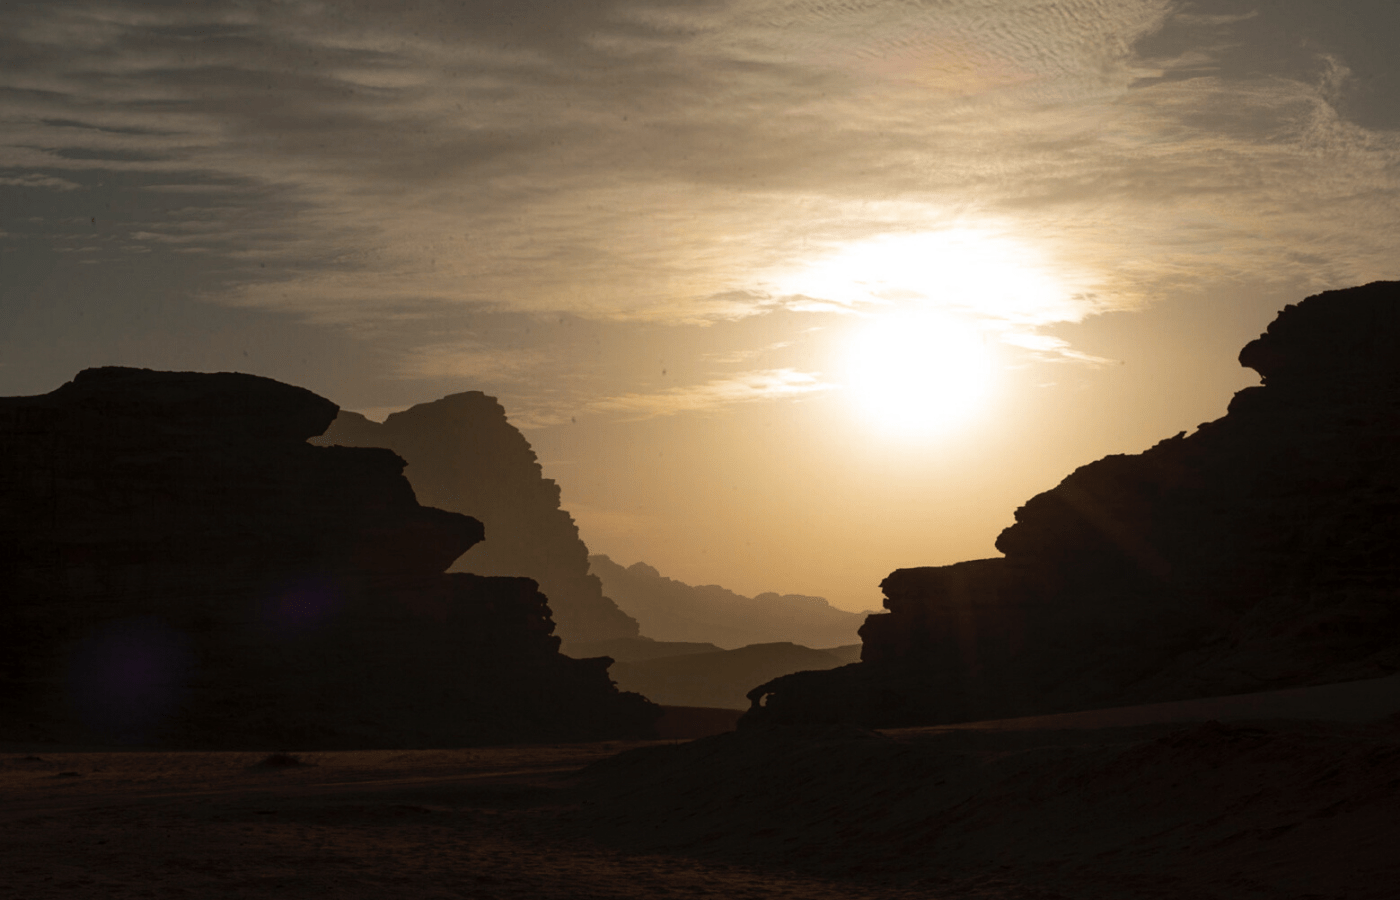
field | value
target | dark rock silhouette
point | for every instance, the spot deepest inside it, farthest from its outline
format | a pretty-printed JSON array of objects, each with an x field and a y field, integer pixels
[
  {"x": 671, "y": 610},
  {"x": 1262, "y": 551},
  {"x": 179, "y": 567},
  {"x": 463, "y": 455}
]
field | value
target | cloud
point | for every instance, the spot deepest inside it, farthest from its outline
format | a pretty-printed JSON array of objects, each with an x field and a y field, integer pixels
[
  {"x": 38, "y": 180},
  {"x": 612, "y": 159},
  {"x": 746, "y": 387},
  {"x": 387, "y": 167},
  {"x": 471, "y": 361},
  {"x": 1048, "y": 348},
  {"x": 745, "y": 355}
]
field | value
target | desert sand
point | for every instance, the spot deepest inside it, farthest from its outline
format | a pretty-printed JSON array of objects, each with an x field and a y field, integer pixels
[
  {"x": 1248, "y": 797},
  {"x": 481, "y": 823}
]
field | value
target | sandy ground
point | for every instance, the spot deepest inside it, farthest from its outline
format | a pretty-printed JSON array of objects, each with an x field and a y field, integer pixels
[
  {"x": 1101, "y": 805},
  {"x": 481, "y": 823}
]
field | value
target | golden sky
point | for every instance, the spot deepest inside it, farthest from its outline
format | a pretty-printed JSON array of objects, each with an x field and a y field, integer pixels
[{"x": 785, "y": 294}]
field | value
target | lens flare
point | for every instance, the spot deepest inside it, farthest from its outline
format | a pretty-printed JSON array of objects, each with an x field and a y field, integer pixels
[{"x": 127, "y": 677}]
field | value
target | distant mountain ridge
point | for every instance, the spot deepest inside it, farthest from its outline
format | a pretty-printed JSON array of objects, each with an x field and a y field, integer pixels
[
  {"x": 463, "y": 455},
  {"x": 670, "y": 610}
]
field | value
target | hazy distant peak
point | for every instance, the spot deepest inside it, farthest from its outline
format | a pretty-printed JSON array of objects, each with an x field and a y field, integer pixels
[
  {"x": 671, "y": 610},
  {"x": 641, "y": 568},
  {"x": 773, "y": 596},
  {"x": 470, "y": 407}
]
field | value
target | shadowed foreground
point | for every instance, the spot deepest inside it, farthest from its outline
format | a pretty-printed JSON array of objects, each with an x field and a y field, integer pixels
[
  {"x": 1077, "y": 806},
  {"x": 482, "y": 823}
]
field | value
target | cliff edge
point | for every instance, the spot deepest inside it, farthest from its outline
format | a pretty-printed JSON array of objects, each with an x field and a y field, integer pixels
[
  {"x": 179, "y": 567},
  {"x": 1261, "y": 551},
  {"x": 464, "y": 455}
]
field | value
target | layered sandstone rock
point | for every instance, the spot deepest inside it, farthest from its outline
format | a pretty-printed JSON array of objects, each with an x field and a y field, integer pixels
[
  {"x": 1262, "y": 551},
  {"x": 464, "y": 455},
  {"x": 178, "y": 566}
]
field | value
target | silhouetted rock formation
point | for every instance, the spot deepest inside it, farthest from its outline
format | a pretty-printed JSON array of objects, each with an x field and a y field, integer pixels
[
  {"x": 179, "y": 566},
  {"x": 722, "y": 678},
  {"x": 670, "y": 610},
  {"x": 1259, "y": 552},
  {"x": 464, "y": 456}
]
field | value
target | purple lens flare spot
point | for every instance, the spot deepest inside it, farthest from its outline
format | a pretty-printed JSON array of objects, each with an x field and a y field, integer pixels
[
  {"x": 127, "y": 677},
  {"x": 301, "y": 607}
]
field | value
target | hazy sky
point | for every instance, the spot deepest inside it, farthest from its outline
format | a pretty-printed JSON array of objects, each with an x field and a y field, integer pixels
[{"x": 786, "y": 295}]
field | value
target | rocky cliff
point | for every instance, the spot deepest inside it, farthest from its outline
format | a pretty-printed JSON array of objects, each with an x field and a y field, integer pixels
[
  {"x": 464, "y": 455},
  {"x": 1262, "y": 551},
  {"x": 179, "y": 567},
  {"x": 671, "y": 610}
]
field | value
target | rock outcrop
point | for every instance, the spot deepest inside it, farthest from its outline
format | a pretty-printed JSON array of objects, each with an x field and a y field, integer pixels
[
  {"x": 1262, "y": 551},
  {"x": 671, "y": 610},
  {"x": 463, "y": 455},
  {"x": 179, "y": 567}
]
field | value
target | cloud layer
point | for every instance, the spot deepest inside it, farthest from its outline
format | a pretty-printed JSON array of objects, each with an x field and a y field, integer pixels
[{"x": 396, "y": 170}]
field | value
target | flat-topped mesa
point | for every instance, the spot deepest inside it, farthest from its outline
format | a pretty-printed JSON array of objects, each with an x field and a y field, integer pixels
[
  {"x": 1257, "y": 553},
  {"x": 196, "y": 405},
  {"x": 464, "y": 455},
  {"x": 179, "y": 567}
]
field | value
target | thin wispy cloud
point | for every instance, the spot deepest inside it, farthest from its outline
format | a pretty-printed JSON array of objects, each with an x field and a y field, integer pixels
[
  {"x": 1049, "y": 348},
  {"x": 471, "y": 362},
  {"x": 745, "y": 387}
]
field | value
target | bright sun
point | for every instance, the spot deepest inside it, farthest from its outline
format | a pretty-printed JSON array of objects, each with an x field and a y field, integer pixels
[
  {"x": 935, "y": 302},
  {"x": 919, "y": 373}
]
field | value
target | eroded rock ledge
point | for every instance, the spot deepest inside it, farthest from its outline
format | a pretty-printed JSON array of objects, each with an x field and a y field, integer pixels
[
  {"x": 1262, "y": 551},
  {"x": 179, "y": 567}
]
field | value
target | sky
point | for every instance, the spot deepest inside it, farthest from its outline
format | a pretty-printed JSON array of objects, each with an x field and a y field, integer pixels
[{"x": 786, "y": 295}]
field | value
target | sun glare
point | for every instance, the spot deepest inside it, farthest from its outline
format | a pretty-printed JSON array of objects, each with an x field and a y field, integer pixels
[
  {"x": 980, "y": 273},
  {"x": 935, "y": 304},
  {"x": 919, "y": 373}
]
